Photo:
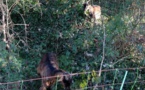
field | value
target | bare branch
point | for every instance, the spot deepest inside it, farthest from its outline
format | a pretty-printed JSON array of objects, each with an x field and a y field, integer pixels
[{"x": 13, "y": 6}]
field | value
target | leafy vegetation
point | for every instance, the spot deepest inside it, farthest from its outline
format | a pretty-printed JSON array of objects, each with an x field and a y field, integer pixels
[{"x": 60, "y": 26}]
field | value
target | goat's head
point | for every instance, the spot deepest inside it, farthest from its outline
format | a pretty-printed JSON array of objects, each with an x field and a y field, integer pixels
[{"x": 92, "y": 11}]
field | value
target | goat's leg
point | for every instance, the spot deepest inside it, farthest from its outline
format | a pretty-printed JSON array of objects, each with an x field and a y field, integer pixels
[
  {"x": 43, "y": 86},
  {"x": 49, "y": 88}
]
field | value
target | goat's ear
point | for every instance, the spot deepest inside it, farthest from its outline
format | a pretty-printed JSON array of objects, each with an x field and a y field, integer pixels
[
  {"x": 88, "y": 1},
  {"x": 85, "y": 5}
]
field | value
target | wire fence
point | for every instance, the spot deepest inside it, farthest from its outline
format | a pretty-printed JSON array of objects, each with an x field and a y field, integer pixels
[
  {"x": 100, "y": 86},
  {"x": 105, "y": 85}
]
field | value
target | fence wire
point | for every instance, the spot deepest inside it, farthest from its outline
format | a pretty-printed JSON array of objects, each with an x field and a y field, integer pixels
[{"x": 101, "y": 86}]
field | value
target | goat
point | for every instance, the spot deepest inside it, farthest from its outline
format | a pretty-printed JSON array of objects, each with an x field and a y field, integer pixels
[
  {"x": 48, "y": 67},
  {"x": 92, "y": 11}
]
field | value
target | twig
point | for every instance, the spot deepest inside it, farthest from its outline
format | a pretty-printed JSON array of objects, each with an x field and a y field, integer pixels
[
  {"x": 119, "y": 60},
  {"x": 135, "y": 80},
  {"x": 3, "y": 21},
  {"x": 12, "y": 6},
  {"x": 114, "y": 78},
  {"x": 25, "y": 26},
  {"x": 103, "y": 57},
  {"x": 22, "y": 24}
]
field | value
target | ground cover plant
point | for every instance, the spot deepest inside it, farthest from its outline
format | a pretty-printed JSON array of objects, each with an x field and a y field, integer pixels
[{"x": 30, "y": 28}]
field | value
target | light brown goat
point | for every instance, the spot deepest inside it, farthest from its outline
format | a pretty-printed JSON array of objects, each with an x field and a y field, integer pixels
[{"x": 92, "y": 11}]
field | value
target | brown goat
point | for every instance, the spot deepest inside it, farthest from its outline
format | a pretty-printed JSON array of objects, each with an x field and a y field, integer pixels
[{"x": 48, "y": 67}]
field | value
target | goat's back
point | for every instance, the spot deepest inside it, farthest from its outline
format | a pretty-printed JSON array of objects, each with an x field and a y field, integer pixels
[{"x": 48, "y": 63}]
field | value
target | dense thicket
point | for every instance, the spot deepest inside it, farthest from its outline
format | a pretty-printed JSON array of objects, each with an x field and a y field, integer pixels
[{"x": 60, "y": 26}]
